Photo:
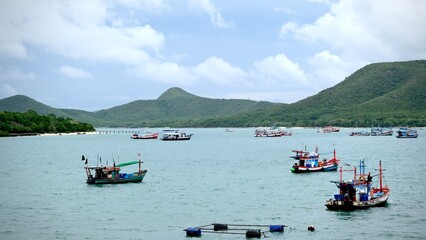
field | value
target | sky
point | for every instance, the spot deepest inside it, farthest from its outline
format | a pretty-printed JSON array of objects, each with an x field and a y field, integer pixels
[{"x": 97, "y": 54}]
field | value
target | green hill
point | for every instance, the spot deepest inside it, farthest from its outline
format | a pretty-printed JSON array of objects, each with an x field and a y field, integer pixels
[
  {"x": 20, "y": 103},
  {"x": 386, "y": 94},
  {"x": 175, "y": 107}
]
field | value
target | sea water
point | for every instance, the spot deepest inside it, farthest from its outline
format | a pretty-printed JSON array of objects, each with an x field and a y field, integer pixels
[{"x": 216, "y": 177}]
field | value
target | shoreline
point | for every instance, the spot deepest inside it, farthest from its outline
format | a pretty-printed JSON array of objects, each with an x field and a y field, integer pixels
[{"x": 68, "y": 134}]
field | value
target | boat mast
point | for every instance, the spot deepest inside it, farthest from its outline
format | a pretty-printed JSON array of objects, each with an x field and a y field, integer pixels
[
  {"x": 354, "y": 174},
  {"x": 380, "y": 173},
  {"x": 139, "y": 155}
]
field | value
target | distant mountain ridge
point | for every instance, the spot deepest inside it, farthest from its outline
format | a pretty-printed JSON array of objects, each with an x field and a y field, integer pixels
[{"x": 386, "y": 94}]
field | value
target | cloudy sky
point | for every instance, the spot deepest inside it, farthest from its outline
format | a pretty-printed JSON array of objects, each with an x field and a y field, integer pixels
[{"x": 96, "y": 54}]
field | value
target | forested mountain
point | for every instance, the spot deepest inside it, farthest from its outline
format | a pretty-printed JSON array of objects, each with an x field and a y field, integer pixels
[
  {"x": 386, "y": 94},
  {"x": 175, "y": 106}
]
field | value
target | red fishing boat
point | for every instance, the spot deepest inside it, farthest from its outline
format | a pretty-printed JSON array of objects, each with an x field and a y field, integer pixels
[
  {"x": 309, "y": 162},
  {"x": 145, "y": 136},
  {"x": 359, "y": 193}
]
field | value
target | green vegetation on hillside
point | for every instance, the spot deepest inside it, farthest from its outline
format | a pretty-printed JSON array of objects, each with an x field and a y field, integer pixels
[
  {"x": 28, "y": 123},
  {"x": 385, "y": 94}
]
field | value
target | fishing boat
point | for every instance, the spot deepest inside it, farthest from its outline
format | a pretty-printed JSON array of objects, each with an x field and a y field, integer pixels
[
  {"x": 175, "y": 135},
  {"x": 309, "y": 162},
  {"x": 359, "y": 193},
  {"x": 145, "y": 136},
  {"x": 271, "y": 132},
  {"x": 330, "y": 129},
  {"x": 359, "y": 133},
  {"x": 377, "y": 131},
  {"x": 407, "y": 133},
  {"x": 112, "y": 174}
]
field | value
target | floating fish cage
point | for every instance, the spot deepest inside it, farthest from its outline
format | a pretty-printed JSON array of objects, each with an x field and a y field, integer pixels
[{"x": 251, "y": 231}]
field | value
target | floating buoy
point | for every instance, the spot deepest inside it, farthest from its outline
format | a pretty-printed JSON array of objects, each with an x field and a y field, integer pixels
[
  {"x": 253, "y": 233},
  {"x": 193, "y": 232},
  {"x": 311, "y": 228},
  {"x": 220, "y": 227},
  {"x": 276, "y": 228}
]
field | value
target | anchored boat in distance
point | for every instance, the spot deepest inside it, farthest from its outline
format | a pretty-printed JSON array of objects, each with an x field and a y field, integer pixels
[
  {"x": 407, "y": 133},
  {"x": 175, "y": 135}
]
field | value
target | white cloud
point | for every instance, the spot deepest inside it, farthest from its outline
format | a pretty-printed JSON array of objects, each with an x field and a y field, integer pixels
[
  {"x": 13, "y": 73},
  {"x": 215, "y": 14},
  {"x": 218, "y": 71},
  {"x": 75, "y": 73},
  {"x": 75, "y": 29},
  {"x": 6, "y": 90},
  {"x": 13, "y": 50},
  {"x": 328, "y": 69},
  {"x": 153, "y": 6},
  {"x": 279, "y": 71},
  {"x": 286, "y": 28},
  {"x": 284, "y": 10},
  {"x": 371, "y": 30},
  {"x": 165, "y": 72}
]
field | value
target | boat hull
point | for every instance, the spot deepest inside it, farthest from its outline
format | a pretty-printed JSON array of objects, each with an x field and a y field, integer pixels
[
  {"x": 407, "y": 136},
  {"x": 176, "y": 139},
  {"x": 314, "y": 169},
  {"x": 136, "y": 178}
]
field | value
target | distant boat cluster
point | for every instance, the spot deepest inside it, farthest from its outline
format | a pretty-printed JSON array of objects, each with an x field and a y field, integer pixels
[{"x": 403, "y": 132}]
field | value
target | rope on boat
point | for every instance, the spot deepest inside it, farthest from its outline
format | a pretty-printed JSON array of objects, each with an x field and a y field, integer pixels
[{"x": 240, "y": 228}]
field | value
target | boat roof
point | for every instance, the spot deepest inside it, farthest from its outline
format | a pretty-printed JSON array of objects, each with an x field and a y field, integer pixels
[
  {"x": 171, "y": 133},
  {"x": 170, "y": 130}
]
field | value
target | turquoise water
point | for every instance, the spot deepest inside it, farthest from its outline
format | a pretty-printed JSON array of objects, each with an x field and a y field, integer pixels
[{"x": 215, "y": 177}]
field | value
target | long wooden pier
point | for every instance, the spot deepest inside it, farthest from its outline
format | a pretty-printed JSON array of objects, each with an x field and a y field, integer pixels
[{"x": 115, "y": 131}]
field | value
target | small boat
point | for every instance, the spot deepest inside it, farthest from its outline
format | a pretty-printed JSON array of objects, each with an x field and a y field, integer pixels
[
  {"x": 377, "y": 131},
  {"x": 407, "y": 133},
  {"x": 145, "y": 136},
  {"x": 112, "y": 174},
  {"x": 309, "y": 162},
  {"x": 358, "y": 193},
  {"x": 271, "y": 132},
  {"x": 175, "y": 135},
  {"x": 359, "y": 133},
  {"x": 330, "y": 129},
  {"x": 228, "y": 130}
]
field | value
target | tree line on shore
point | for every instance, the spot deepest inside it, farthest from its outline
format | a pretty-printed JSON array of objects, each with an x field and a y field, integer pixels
[{"x": 30, "y": 123}]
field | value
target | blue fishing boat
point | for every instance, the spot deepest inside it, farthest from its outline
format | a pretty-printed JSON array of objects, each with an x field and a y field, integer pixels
[
  {"x": 359, "y": 193},
  {"x": 112, "y": 174},
  {"x": 407, "y": 133}
]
